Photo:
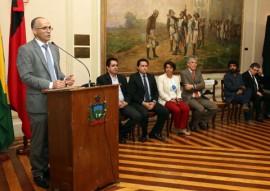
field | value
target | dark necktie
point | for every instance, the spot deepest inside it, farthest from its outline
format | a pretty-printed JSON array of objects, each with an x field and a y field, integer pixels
[
  {"x": 196, "y": 93},
  {"x": 49, "y": 62},
  {"x": 146, "y": 94}
]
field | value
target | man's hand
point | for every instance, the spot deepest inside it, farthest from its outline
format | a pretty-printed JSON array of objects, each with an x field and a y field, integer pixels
[
  {"x": 188, "y": 86},
  {"x": 149, "y": 105},
  {"x": 69, "y": 80},
  {"x": 59, "y": 84},
  {"x": 240, "y": 91},
  {"x": 259, "y": 94},
  {"x": 260, "y": 72},
  {"x": 122, "y": 104}
]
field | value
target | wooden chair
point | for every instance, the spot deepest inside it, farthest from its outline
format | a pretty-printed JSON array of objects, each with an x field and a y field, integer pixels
[
  {"x": 152, "y": 114},
  {"x": 124, "y": 118},
  {"x": 169, "y": 123},
  {"x": 221, "y": 104},
  {"x": 234, "y": 109}
]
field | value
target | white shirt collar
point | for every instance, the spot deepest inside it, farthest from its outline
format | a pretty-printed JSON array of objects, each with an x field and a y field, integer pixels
[{"x": 40, "y": 43}]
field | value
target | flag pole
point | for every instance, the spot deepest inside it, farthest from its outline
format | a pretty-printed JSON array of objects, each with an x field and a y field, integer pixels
[{"x": 17, "y": 90}]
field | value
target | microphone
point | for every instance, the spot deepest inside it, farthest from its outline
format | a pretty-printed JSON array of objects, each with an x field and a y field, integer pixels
[{"x": 89, "y": 83}]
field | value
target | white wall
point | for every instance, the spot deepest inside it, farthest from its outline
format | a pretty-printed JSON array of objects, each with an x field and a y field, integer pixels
[
  {"x": 263, "y": 10},
  {"x": 255, "y": 16},
  {"x": 69, "y": 17}
]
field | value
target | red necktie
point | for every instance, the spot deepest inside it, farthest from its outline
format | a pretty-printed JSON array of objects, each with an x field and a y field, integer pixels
[{"x": 196, "y": 93}]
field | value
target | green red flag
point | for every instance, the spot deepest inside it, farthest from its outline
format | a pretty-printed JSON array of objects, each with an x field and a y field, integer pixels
[
  {"x": 17, "y": 90},
  {"x": 6, "y": 126}
]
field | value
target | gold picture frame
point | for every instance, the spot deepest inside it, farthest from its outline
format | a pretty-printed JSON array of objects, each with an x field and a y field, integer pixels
[{"x": 124, "y": 33}]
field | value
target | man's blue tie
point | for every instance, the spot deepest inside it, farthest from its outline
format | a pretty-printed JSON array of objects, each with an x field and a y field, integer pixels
[
  {"x": 49, "y": 62},
  {"x": 146, "y": 95}
]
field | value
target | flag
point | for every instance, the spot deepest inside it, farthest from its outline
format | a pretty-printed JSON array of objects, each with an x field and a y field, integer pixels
[
  {"x": 17, "y": 90},
  {"x": 6, "y": 126}
]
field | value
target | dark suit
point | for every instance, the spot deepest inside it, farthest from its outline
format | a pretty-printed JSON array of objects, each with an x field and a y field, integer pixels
[
  {"x": 129, "y": 111},
  {"x": 257, "y": 100},
  {"x": 137, "y": 91},
  {"x": 202, "y": 108},
  {"x": 34, "y": 72},
  {"x": 232, "y": 85},
  {"x": 266, "y": 96},
  {"x": 249, "y": 83}
]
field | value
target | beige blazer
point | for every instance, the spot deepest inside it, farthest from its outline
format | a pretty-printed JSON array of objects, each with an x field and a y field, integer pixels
[{"x": 164, "y": 88}]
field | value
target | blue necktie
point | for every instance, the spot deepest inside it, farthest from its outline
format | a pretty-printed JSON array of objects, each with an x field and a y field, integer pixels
[
  {"x": 49, "y": 62},
  {"x": 146, "y": 95}
]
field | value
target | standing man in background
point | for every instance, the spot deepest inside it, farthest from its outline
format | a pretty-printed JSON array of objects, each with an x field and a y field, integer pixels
[
  {"x": 151, "y": 34},
  {"x": 39, "y": 68},
  {"x": 172, "y": 28}
]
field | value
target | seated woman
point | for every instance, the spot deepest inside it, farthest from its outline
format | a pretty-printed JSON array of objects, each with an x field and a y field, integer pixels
[{"x": 170, "y": 97}]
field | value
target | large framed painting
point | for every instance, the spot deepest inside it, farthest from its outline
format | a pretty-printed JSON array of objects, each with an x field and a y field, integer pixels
[{"x": 161, "y": 30}]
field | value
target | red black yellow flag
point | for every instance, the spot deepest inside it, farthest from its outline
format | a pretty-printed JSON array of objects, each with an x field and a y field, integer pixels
[{"x": 17, "y": 90}]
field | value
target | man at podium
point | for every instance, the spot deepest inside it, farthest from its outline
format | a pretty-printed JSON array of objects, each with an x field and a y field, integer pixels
[
  {"x": 112, "y": 77},
  {"x": 39, "y": 68}
]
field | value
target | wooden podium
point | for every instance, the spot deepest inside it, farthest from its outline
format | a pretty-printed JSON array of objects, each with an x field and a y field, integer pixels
[{"x": 83, "y": 152}]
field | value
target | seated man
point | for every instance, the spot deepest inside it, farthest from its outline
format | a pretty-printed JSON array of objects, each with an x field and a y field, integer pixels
[
  {"x": 252, "y": 81},
  {"x": 266, "y": 96},
  {"x": 193, "y": 84},
  {"x": 111, "y": 77},
  {"x": 234, "y": 88},
  {"x": 144, "y": 92}
]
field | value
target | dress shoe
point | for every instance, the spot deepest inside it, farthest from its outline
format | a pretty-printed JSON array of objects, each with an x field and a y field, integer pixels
[
  {"x": 157, "y": 136},
  {"x": 122, "y": 140},
  {"x": 245, "y": 107},
  {"x": 161, "y": 136},
  {"x": 192, "y": 127},
  {"x": 47, "y": 174},
  {"x": 41, "y": 181},
  {"x": 259, "y": 119},
  {"x": 267, "y": 116},
  {"x": 202, "y": 126},
  {"x": 142, "y": 139}
]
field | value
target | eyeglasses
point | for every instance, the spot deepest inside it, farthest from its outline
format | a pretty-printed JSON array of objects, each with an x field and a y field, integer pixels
[
  {"x": 45, "y": 28},
  {"x": 255, "y": 69}
]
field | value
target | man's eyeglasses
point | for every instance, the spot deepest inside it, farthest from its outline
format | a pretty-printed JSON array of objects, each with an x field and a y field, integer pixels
[
  {"x": 255, "y": 69},
  {"x": 45, "y": 28}
]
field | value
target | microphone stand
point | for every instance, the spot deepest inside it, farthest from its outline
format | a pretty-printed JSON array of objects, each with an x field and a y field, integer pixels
[{"x": 89, "y": 82}]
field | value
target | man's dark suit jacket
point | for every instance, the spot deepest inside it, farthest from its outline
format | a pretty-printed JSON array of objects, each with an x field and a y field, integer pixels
[
  {"x": 232, "y": 85},
  {"x": 106, "y": 80},
  {"x": 136, "y": 87},
  {"x": 249, "y": 83}
]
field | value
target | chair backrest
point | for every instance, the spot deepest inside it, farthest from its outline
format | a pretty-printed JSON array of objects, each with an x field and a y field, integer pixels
[
  {"x": 212, "y": 91},
  {"x": 222, "y": 91}
]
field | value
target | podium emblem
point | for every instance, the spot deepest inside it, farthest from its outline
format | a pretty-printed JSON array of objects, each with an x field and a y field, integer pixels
[{"x": 97, "y": 112}]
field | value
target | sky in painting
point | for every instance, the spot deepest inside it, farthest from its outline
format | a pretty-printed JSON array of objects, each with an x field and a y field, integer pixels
[{"x": 143, "y": 9}]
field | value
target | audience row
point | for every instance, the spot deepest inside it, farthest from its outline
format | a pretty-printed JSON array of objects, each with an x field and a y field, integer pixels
[
  {"x": 142, "y": 93},
  {"x": 247, "y": 89}
]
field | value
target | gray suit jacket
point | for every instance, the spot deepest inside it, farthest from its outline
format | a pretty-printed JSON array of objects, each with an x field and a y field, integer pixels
[
  {"x": 187, "y": 78},
  {"x": 34, "y": 72}
]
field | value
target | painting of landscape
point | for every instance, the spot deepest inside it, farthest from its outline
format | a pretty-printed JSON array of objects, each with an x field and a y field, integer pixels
[{"x": 218, "y": 30}]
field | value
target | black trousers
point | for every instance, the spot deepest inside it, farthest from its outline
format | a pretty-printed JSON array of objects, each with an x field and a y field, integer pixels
[{"x": 162, "y": 114}]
